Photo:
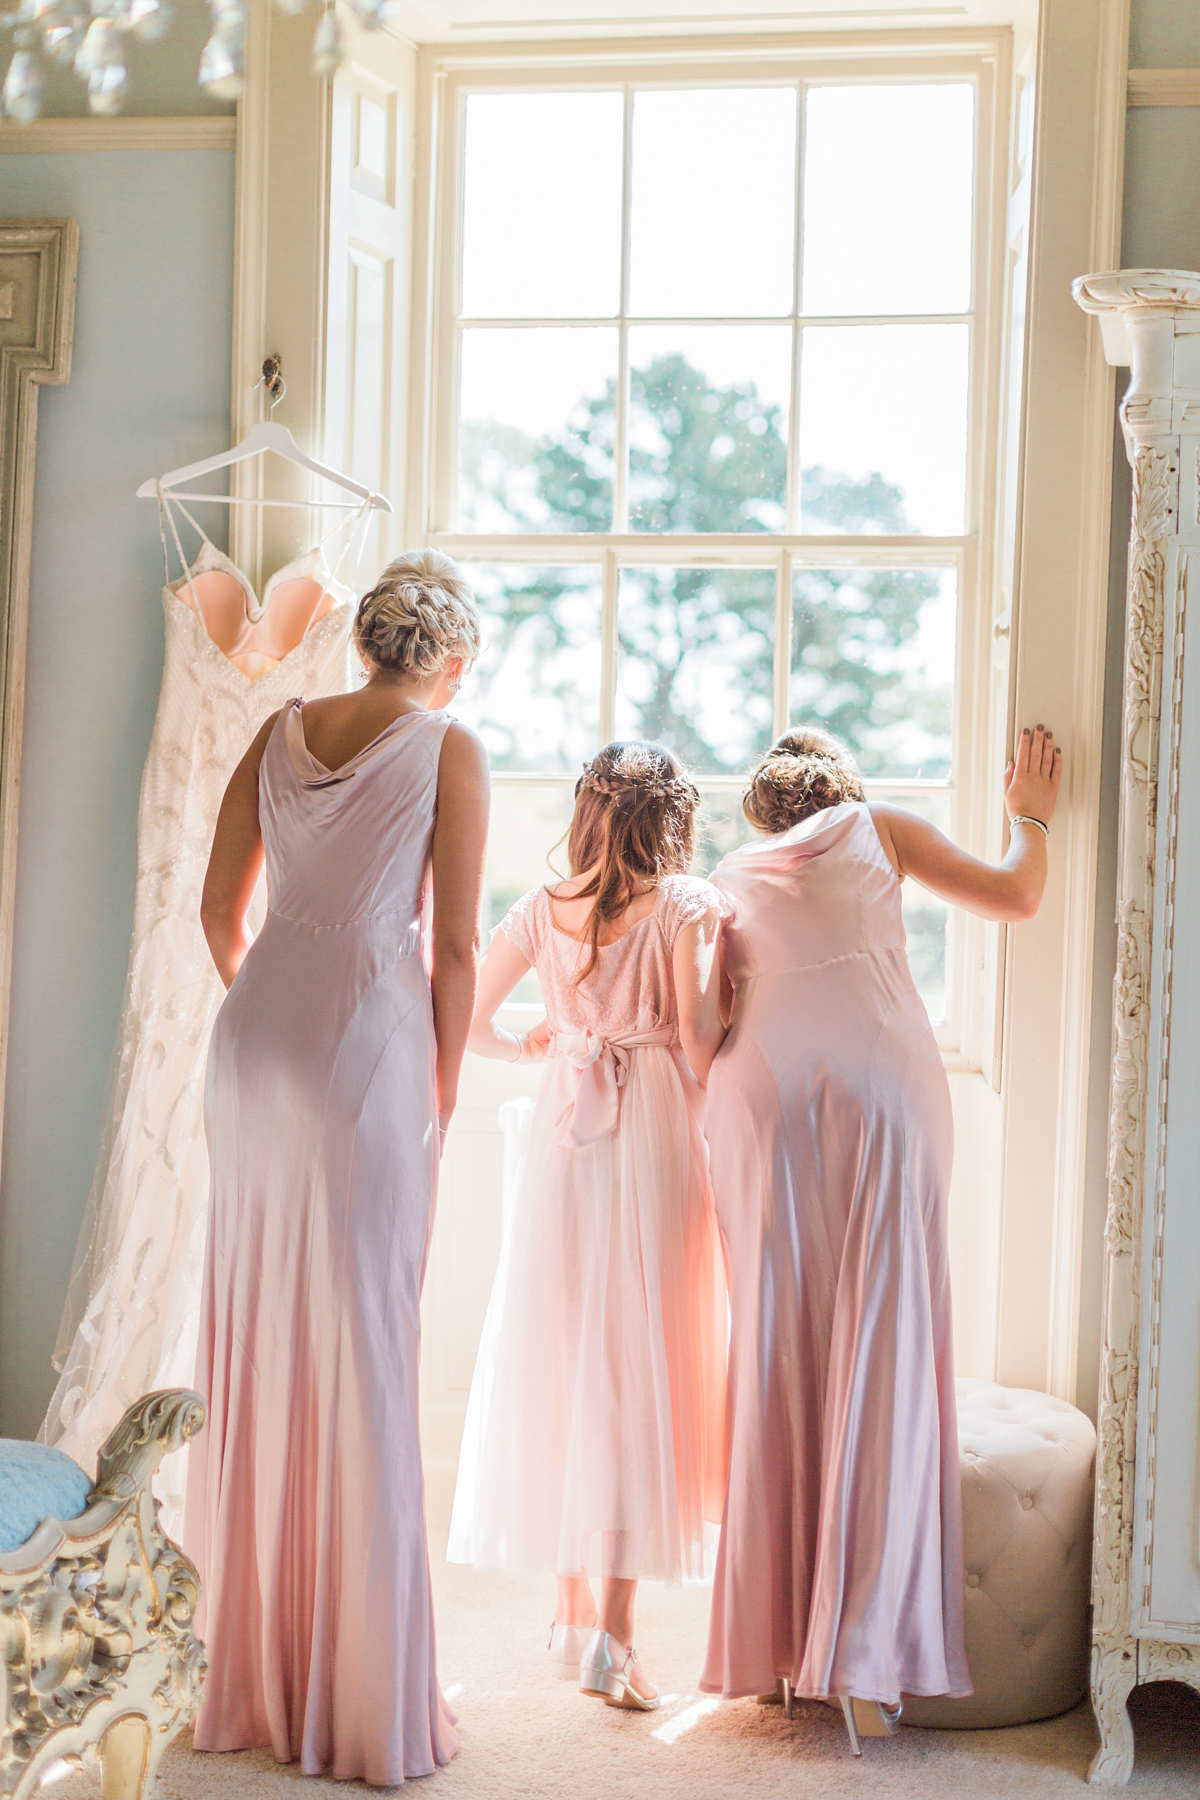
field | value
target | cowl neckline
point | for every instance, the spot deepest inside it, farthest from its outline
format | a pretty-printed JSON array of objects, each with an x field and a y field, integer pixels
[
  {"x": 813, "y": 836},
  {"x": 312, "y": 772}
]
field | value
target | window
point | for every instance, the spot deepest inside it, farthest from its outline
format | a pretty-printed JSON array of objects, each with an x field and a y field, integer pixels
[{"x": 705, "y": 422}]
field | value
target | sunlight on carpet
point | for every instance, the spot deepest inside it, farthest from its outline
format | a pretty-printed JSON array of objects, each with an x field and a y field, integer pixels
[{"x": 525, "y": 1734}]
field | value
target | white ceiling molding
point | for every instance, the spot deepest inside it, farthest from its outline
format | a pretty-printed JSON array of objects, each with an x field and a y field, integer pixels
[
  {"x": 609, "y": 21},
  {"x": 211, "y": 133},
  {"x": 443, "y": 21}
]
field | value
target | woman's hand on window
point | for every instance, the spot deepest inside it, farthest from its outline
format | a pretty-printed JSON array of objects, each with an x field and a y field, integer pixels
[{"x": 1032, "y": 778}]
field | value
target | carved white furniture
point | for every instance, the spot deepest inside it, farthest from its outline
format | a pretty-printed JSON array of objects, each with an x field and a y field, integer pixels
[
  {"x": 1027, "y": 1511},
  {"x": 1146, "y": 1568},
  {"x": 97, "y": 1652}
]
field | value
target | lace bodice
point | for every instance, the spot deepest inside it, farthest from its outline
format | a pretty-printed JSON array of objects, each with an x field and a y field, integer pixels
[{"x": 632, "y": 988}]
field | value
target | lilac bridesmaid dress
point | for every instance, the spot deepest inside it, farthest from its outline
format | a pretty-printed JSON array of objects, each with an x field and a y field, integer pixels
[
  {"x": 830, "y": 1135},
  {"x": 305, "y": 1506}
]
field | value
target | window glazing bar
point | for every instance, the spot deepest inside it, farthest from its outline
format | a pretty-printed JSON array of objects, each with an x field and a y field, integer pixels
[
  {"x": 750, "y": 549},
  {"x": 609, "y": 646},
  {"x": 683, "y": 322},
  {"x": 877, "y": 786}
]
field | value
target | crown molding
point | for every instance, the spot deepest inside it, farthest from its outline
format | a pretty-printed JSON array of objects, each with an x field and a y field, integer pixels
[
  {"x": 214, "y": 132},
  {"x": 706, "y": 48},
  {"x": 1164, "y": 87}
]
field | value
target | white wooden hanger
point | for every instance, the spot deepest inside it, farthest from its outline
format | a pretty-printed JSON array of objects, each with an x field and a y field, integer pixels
[{"x": 265, "y": 436}]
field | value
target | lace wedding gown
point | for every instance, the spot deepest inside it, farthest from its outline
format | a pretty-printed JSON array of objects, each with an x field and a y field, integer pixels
[{"x": 131, "y": 1319}]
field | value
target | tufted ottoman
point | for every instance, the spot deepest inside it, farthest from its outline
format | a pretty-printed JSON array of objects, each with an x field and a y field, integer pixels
[{"x": 1027, "y": 1531}]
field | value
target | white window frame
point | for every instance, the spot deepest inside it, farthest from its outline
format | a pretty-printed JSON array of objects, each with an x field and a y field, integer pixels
[
  {"x": 1028, "y": 1191},
  {"x": 980, "y": 58}
]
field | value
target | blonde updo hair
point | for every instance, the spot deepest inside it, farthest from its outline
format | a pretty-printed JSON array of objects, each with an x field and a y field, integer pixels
[
  {"x": 804, "y": 771},
  {"x": 419, "y": 615}
]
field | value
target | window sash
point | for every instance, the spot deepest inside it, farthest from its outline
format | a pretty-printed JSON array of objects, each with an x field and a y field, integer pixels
[
  {"x": 755, "y": 550},
  {"x": 977, "y": 56},
  {"x": 692, "y": 67}
]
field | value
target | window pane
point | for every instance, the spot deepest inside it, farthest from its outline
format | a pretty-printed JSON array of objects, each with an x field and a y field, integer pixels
[
  {"x": 722, "y": 827},
  {"x": 695, "y": 662},
  {"x": 883, "y": 427},
  {"x": 534, "y": 694},
  {"x": 925, "y": 916},
  {"x": 888, "y": 180},
  {"x": 873, "y": 661},
  {"x": 542, "y": 206},
  {"x": 536, "y": 429},
  {"x": 713, "y": 203},
  {"x": 528, "y": 819},
  {"x": 708, "y": 427}
]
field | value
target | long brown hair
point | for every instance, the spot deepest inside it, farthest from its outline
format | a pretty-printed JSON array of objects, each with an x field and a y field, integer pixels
[
  {"x": 635, "y": 822},
  {"x": 804, "y": 771}
]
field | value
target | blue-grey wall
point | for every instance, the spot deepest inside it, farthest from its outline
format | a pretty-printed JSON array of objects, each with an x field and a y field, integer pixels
[
  {"x": 149, "y": 390},
  {"x": 1160, "y": 230}
]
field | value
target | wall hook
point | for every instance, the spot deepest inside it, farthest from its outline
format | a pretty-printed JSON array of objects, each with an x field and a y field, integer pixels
[{"x": 272, "y": 379}]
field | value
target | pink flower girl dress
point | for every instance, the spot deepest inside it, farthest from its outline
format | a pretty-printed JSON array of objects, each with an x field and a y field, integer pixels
[{"x": 594, "y": 1438}]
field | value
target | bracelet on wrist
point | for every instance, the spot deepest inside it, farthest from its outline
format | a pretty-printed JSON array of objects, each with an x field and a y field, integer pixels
[{"x": 1025, "y": 819}]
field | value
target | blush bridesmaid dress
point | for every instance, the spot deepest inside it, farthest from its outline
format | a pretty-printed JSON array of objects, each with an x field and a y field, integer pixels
[
  {"x": 828, "y": 1119},
  {"x": 305, "y": 1505},
  {"x": 594, "y": 1439}
]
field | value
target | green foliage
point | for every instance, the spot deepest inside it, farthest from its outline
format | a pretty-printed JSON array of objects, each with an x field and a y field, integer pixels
[{"x": 697, "y": 644}]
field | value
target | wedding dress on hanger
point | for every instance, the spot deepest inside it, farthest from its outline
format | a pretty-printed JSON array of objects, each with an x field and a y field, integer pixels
[{"x": 131, "y": 1317}]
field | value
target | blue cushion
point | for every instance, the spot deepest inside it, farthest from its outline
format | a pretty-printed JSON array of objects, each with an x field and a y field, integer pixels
[{"x": 36, "y": 1483}]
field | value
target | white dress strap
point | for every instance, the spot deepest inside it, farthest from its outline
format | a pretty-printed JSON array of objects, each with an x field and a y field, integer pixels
[{"x": 164, "y": 511}]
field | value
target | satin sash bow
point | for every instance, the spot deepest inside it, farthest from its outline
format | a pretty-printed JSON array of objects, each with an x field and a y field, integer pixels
[{"x": 603, "y": 1065}]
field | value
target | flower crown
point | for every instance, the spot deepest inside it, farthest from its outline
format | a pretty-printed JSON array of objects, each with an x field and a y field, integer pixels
[{"x": 647, "y": 783}]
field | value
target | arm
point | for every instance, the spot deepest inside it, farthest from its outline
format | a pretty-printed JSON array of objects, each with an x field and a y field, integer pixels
[
  {"x": 503, "y": 967},
  {"x": 1010, "y": 891},
  {"x": 697, "y": 971},
  {"x": 234, "y": 862},
  {"x": 459, "y": 842}
]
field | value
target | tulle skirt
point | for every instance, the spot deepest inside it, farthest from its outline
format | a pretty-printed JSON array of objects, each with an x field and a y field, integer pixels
[{"x": 594, "y": 1438}]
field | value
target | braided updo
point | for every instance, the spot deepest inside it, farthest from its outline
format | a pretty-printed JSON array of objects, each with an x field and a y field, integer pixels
[
  {"x": 634, "y": 823},
  {"x": 804, "y": 771},
  {"x": 419, "y": 616}
]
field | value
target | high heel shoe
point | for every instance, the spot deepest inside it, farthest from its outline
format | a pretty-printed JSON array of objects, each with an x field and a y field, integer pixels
[
  {"x": 782, "y": 1696},
  {"x": 607, "y": 1672},
  {"x": 868, "y": 1718},
  {"x": 567, "y": 1645}
]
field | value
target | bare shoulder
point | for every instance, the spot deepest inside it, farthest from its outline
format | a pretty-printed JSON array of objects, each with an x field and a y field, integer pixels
[
  {"x": 462, "y": 752},
  {"x": 913, "y": 845},
  {"x": 463, "y": 776}
]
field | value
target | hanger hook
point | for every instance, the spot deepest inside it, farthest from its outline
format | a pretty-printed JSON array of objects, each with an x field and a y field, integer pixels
[{"x": 278, "y": 396}]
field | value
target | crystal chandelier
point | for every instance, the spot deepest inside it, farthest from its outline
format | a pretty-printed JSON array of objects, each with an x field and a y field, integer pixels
[{"x": 90, "y": 36}]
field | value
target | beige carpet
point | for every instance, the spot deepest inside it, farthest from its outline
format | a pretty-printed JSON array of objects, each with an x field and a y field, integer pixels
[{"x": 524, "y": 1734}]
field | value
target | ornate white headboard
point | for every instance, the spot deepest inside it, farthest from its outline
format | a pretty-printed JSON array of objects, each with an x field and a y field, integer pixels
[{"x": 1146, "y": 1574}]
